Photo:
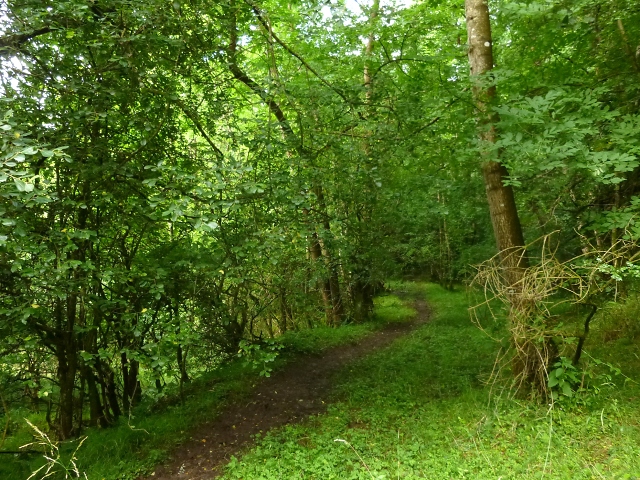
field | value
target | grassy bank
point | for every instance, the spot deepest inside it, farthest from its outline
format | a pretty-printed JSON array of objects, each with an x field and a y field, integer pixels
[
  {"x": 137, "y": 444},
  {"x": 420, "y": 410}
]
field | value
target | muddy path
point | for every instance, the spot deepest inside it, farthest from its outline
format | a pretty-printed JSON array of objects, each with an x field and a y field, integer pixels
[{"x": 292, "y": 394}]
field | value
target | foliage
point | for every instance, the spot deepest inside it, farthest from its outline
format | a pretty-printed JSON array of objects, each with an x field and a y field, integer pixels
[
  {"x": 260, "y": 356},
  {"x": 572, "y": 386},
  {"x": 155, "y": 427},
  {"x": 181, "y": 180}
]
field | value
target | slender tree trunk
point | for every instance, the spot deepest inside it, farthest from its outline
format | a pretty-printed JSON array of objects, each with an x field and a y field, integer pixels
[
  {"x": 316, "y": 253},
  {"x": 337, "y": 307},
  {"x": 502, "y": 206},
  {"x": 96, "y": 412},
  {"x": 361, "y": 282},
  {"x": 446, "y": 267},
  {"x": 531, "y": 352},
  {"x": 131, "y": 388},
  {"x": 80, "y": 405},
  {"x": 66, "y": 354},
  {"x": 633, "y": 57},
  {"x": 181, "y": 354},
  {"x": 368, "y": 81},
  {"x": 111, "y": 391},
  {"x": 181, "y": 357},
  {"x": 66, "y": 379},
  {"x": 124, "y": 365},
  {"x": 282, "y": 325},
  {"x": 289, "y": 135}
]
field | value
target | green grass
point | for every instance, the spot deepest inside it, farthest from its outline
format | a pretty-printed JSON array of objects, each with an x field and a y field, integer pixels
[
  {"x": 419, "y": 410},
  {"x": 388, "y": 309},
  {"x": 136, "y": 445}
]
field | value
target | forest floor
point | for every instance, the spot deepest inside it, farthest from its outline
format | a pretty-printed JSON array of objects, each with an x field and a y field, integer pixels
[
  {"x": 406, "y": 396},
  {"x": 425, "y": 408},
  {"x": 299, "y": 390}
]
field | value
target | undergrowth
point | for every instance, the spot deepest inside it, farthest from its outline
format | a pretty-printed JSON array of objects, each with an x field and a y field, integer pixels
[
  {"x": 138, "y": 443},
  {"x": 420, "y": 409}
]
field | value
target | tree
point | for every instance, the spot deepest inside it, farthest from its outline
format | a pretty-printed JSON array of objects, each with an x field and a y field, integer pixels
[{"x": 502, "y": 206}]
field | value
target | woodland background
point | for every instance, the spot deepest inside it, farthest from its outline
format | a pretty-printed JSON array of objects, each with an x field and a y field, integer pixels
[{"x": 181, "y": 180}]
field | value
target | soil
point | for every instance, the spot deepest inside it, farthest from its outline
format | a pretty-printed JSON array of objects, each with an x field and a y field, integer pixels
[{"x": 289, "y": 396}]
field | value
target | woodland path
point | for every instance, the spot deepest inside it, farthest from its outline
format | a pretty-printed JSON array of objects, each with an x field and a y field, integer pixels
[{"x": 290, "y": 395}]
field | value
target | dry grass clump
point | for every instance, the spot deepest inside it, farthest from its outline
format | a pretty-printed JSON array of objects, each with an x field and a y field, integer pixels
[{"x": 531, "y": 294}]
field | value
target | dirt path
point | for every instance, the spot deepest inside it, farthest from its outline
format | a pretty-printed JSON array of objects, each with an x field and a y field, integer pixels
[{"x": 289, "y": 396}]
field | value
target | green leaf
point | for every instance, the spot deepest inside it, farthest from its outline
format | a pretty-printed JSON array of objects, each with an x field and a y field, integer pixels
[{"x": 20, "y": 185}]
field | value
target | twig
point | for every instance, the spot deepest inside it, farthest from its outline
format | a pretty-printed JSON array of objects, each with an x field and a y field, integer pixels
[{"x": 356, "y": 452}]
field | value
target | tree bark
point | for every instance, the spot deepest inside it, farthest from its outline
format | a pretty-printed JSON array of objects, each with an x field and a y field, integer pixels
[
  {"x": 532, "y": 353},
  {"x": 361, "y": 287},
  {"x": 66, "y": 354},
  {"x": 316, "y": 253},
  {"x": 111, "y": 390},
  {"x": 66, "y": 379},
  {"x": 181, "y": 358},
  {"x": 96, "y": 412},
  {"x": 131, "y": 388},
  {"x": 368, "y": 81},
  {"x": 502, "y": 206},
  {"x": 337, "y": 307}
]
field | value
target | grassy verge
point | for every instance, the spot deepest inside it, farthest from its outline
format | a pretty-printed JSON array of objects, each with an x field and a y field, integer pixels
[
  {"x": 137, "y": 444},
  {"x": 420, "y": 410}
]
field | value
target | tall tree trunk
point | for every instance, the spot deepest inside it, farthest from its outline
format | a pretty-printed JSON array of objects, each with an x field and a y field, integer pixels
[
  {"x": 282, "y": 297},
  {"x": 66, "y": 380},
  {"x": 181, "y": 358},
  {"x": 181, "y": 354},
  {"x": 531, "y": 352},
  {"x": 67, "y": 356},
  {"x": 111, "y": 392},
  {"x": 502, "y": 206},
  {"x": 131, "y": 388},
  {"x": 96, "y": 413},
  {"x": 368, "y": 81},
  {"x": 316, "y": 254},
  {"x": 361, "y": 281},
  {"x": 337, "y": 307}
]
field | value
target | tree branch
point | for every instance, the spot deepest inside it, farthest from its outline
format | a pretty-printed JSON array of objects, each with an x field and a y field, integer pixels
[
  {"x": 576, "y": 357},
  {"x": 279, "y": 41},
  {"x": 10, "y": 43},
  {"x": 241, "y": 76}
]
